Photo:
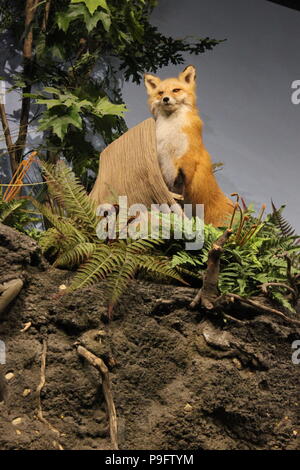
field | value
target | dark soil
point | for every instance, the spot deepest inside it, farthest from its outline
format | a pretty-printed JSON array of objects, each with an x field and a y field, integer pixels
[{"x": 180, "y": 380}]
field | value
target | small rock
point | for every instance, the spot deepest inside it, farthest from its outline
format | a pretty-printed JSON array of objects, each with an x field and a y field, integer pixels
[
  {"x": 26, "y": 392},
  {"x": 188, "y": 407},
  {"x": 216, "y": 338},
  {"x": 18, "y": 432},
  {"x": 26, "y": 327},
  {"x": 237, "y": 363},
  {"x": 16, "y": 421},
  {"x": 57, "y": 445},
  {"x": 9, "y": 376}
]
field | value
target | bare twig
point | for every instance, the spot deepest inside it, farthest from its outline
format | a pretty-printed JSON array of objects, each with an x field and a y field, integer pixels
[
  {"x": 41, "y": 386},
  {"x": 262, "y": 307},
  {"x": 229, "y": 317},
  {"x": 99, "y": 364},
  {"x": 264, "y": 287}
]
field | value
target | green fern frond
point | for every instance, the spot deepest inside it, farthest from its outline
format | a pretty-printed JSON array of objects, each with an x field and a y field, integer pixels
[
  {"x": 183, "y": 258},
  {"x": 52, "y": 241},
  {"x": 7, "y": 208},
  {"x": 69, "y": 193},
  {"x": 55, "y": 190},
  {"x": 143, "y": 245},
  {"x": 62, "y": 224},
  {"x": 281, "y": 299},
  {"x": 101, "y": 263},
  {"x": 117, "y": 281},
  {"x": 76, "y": 255},
  {"x": 159, "y": 265},
  {"x": 284, "y": 226}
]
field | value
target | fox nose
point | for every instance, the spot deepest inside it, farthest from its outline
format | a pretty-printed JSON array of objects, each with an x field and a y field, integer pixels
[{"x": 166, "y": 99}]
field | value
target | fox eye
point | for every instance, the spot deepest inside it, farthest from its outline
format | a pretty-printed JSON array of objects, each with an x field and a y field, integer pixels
[
  {"x": 160, "y": 93},
  {"x": 176, "y": 90}
]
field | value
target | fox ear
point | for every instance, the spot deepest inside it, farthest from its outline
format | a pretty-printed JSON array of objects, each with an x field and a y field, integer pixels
[
  {"x": 151, "y": 82},
  {"x": 188, "y": 76}
]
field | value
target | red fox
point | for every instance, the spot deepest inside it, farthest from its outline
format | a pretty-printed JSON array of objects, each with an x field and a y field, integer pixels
[{"x": 183, "y": 159}]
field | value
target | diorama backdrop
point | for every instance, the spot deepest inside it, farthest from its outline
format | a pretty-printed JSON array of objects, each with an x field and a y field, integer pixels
[{"x": 244, "y": 93}]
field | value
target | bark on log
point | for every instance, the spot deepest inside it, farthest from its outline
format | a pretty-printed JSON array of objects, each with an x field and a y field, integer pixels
[{"x": 129, "y": 167}]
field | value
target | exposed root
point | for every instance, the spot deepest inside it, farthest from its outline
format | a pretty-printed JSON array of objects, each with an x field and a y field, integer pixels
[
  {"x": 209, "y": 291},
  {"x": 41, "y": 385},
  {"x": 264, "y": 288},
  {"x": 261, "y": 307},
  {"x": 100, "y": 365}
]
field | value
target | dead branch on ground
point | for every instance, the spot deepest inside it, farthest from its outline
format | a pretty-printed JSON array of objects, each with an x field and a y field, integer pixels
[
  {"x": 100, "y": 365},
  {"x": 41, "y": 385},
  {"x": 209, "y": 291}
]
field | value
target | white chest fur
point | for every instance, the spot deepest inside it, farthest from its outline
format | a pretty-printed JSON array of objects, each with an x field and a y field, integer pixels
[{"x": 172, "y": 143}]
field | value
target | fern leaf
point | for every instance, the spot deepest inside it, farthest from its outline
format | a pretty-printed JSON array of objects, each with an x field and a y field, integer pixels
[
  {"x": 285, "y": 227},
  {"x": 159, "y": 265},
  {"x": 143, "y": 245},
  {"x": 76, "y": 255},
  {"x": 62, "y": 224},
  {"x": 282, "y": 300},
  {"x": 71, "y": 194},
  {"x": 101, "y": 263},
  {"x": 117, "y": 281},
  {"x": 52, "y": 240},
  {"x": 9, "y": 208}
]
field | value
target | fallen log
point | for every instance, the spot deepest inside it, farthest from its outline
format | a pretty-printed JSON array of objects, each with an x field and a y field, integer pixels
[{"x": 129, "y": 167}]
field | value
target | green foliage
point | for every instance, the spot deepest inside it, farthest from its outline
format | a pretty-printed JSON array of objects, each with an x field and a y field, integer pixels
[
  {"x": 79, "y": 59},
  {"x": 86, "y": 11},
  {"x": 66, "y": 109},
  {"x": 72, "y": 239},
  {"x": 281, "y": 223},
  {"x": 255, "y": 254},
  {"x": 15, "y": 213}
]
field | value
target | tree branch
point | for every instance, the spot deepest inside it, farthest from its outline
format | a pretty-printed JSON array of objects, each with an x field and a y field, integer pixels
[
  {"x": 46, "y": 15},
  {"x": 209, "y": 291},
  {"x": 30, "y": 10}
]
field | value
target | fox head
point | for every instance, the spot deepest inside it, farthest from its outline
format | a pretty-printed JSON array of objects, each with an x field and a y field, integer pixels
[{"x": 166, "y": 96}]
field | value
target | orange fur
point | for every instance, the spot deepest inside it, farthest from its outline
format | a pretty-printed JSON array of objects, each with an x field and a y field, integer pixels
[{"x": 180, "y": 145}]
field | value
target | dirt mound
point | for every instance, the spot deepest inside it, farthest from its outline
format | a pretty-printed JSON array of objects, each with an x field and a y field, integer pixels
[{"x": 179, "y": 381}]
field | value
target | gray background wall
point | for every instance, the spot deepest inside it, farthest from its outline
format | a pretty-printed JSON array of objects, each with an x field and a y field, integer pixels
[{"x": 244, "y": 93}]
